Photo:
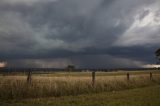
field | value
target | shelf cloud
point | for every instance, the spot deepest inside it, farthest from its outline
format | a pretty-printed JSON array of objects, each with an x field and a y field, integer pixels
[{"x": 87, "y": 33}]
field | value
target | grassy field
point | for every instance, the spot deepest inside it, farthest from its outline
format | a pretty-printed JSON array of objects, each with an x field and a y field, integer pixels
[
  {"x": 62, "y": 88},
  {"x": 146, "y": 96},
  {"x": 83, "y": 74}
]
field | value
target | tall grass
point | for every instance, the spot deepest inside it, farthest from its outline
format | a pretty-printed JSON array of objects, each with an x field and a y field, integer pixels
[{"x": 16, "y": 87}]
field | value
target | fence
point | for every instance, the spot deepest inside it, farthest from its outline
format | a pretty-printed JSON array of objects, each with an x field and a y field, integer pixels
[
  {"x": 127, "y": 77},
  {"x": 93, "y": 76},
  {"x": 33, "y": 86}
]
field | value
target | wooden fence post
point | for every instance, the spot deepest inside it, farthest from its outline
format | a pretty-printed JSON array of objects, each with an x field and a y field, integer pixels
[
  {"x": 127, "y": 76},
  {"x": 151, "y": 77},
  {"x": 93, "y": 78},
  {"x": 29, "y": 77}
]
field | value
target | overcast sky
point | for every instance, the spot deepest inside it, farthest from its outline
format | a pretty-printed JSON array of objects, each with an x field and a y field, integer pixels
[{"x": 86, "y": 33}]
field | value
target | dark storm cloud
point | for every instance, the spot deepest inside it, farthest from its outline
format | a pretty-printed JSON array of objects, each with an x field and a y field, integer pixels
[{"x": 93, "y": 29}]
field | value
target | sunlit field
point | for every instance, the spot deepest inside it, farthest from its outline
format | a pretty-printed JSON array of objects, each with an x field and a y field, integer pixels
[
  {"x": 70, "y": 83},
  {"x": 60, "y": 84}
]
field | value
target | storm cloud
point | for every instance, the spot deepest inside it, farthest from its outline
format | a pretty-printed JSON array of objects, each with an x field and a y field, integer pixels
[{"x": 87, "y": 33}]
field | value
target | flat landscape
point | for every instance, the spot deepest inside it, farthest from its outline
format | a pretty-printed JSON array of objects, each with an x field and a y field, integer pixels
[
  {"x": 78, "y": 88},
  {"x": 79, "y": 52}
]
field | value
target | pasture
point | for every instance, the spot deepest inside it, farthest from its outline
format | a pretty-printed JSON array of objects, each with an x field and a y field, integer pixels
[{"x": 67, "y": 85}]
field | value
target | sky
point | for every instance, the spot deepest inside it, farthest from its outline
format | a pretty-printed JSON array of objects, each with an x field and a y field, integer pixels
[{"x": 85, "y": 33}]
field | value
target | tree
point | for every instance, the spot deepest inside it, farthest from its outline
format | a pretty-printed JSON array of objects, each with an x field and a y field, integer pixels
[
  {"x": 70, "y": 68},
  {"x": 157, "y": 53}
]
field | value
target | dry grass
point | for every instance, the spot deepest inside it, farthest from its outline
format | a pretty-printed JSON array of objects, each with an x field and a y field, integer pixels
[{"x": 16, "y": 87}]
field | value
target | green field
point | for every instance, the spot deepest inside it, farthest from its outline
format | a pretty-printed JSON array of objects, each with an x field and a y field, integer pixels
[
  {"x": 146, "y": 96},
  {"x": 75, "y": 88}
]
